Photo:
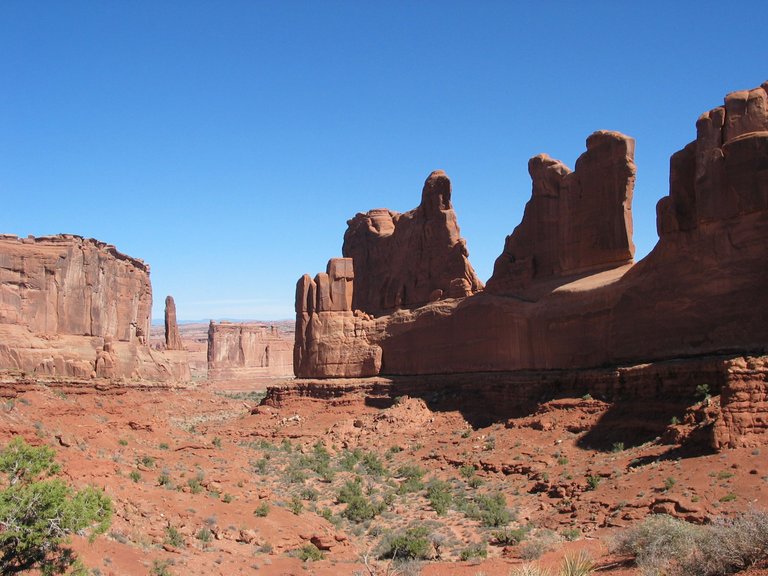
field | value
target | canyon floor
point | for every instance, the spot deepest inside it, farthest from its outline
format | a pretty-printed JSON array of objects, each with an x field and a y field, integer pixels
[{"x": 207, "y": 481}]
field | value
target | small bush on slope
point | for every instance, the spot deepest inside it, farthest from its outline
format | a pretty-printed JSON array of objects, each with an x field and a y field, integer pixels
[
  {"x": 37, "y": 513},
  {"x": 662, "y": 544}
]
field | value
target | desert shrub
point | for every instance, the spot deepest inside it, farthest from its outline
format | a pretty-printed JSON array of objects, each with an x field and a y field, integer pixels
[
  {"x": 593, "y": 482},
  {"x": 658, "y": 543},
  {"x": 530, "y": 570},
  {"x": 320, "y": 462},
  {"x": 511, "y": 536},
  {"x": 262, "y": 510},
  {"x": 351, "y": 489},
  {"x": 729, "y": 545},
  {"x": 309, "y": 553},
  {"x": 571, "y": 534},
  {"x": 160, "y": 568},
  {"x": 373, "y": 464},
  {"x": 411, "y": 475},
  {"x": 361, "y": 508},
  {"x": 296, "y": 505},
  {"x": 260, "y": 466},
  {"x": 204, "y": 534},
  {"x": 493, "y": 511},
  {"x": 411, "y": 544},
  {"x": 467, "y": 471},
  {"x": 349, "y": 459},
  {"x": 476, "y": 550},
  {"x": 37, "y": 513},
  {"x": 174, "y": 537},
  {"x": 439, "y": 496},
  {"x": 579, "y": 565},
  {"x": 542, "y": 541}
]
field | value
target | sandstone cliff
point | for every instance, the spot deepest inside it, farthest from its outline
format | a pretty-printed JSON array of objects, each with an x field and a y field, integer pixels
[
  {"x": 330, "y": 339},
  {"x": 77, "y": 307},
  {"x": 565, "y": 294},
  {"x": 245, "y": 351},
  {"x": 407, "y": 260},
  {"x": 575, "y": 222}
]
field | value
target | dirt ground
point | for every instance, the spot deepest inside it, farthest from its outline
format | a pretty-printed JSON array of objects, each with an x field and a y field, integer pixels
[{"x": 208, "y": 482}]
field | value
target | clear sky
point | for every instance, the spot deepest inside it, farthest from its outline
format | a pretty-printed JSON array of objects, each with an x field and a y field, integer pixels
[{"x": 226, "y": 143}]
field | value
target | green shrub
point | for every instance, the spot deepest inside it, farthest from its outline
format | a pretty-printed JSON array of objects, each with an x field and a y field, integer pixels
[
  {"x": 135, "y": 475},
  {"x": 174, "y": 537},
  {"x": 439, "y": 496},
  {"x": 511, "y": 536},
  {"x": 204, "y": 534},
  {"x": 412, "y": 544},
  {"x": 473, "y": 551},
  {"x": 37, "y": 513},
  {"x": 160, "y": 568},
  {"x": 295, "y": 505},
  {"x": 593, "y": 481},
  {"x": 309, "y": 553},
  {"x": 493, "y": 510},
  {"x": 262, "y": 510},
  {"x": 373, "y": 464}
]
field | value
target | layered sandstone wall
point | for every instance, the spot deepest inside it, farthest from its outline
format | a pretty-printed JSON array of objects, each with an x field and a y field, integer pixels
[
  {"x": 243, "y": 351},
  {"x": 79, "y": 308},
  {"x": 407, "y": 260},
  {"x": 331, "y": 340},
  {"x": 565, "y": 294},
  {"x": 71, "y": 285},
  {"x": 576, "y": 221}
]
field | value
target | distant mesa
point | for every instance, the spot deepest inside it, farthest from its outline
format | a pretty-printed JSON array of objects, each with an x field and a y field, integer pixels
[{"x": 247, "y": 351}]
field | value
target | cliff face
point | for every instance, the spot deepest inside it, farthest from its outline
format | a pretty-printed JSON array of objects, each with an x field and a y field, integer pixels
[
  {"x": 575, "y": 222},
  {"x": 407, "y": 260},
  {"x": 330, "y": 338},
  {"x": 75, "y": 307},
  {"x": 70, "y": 285},
  {"x": 565, "y": 295},
  {"x": 240, "y": 350}
]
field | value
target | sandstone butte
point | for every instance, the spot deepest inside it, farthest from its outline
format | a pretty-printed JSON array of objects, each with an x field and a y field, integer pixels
[
  {"x": 566, "y": 307},
  {"x": 78, "y": 308},
  {"x": 247, "y": 352}
]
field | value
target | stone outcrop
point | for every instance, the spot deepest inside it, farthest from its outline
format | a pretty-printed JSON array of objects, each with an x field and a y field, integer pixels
[
  {"x": 565, "y": 294},
  {"x": 576, "y": 222},
  {"x": 407, "y": 260},
  {"x": 172, "y": 336},
  {"x": 75, "y": 307},
  {"x": 70, "y": 285},
  {"x": 330, "y": 340},
  {"x": 247, "y": 351}
]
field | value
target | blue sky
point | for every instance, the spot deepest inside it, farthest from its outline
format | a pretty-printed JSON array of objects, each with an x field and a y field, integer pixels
[{"x": 227, "y": 143}]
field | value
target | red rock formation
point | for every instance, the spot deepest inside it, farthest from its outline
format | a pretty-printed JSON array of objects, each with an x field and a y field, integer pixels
[
  {"x": 579, "y": 303},
  {"x": 575, "y": 222},
  {"x": 407, "y": 260},
  {"x": 70, "y": 285},
  {"x": 172, "y": 336},
  {"x": 330, "y": 339},
  {"x": 77, "y": 308},
  {"x": 245, "y": 351}
]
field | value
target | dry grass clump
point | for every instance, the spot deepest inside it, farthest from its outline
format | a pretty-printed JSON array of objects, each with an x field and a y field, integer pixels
[
  {"x": 665, "y": 545},
  {"x": 579, "y": 565}
]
